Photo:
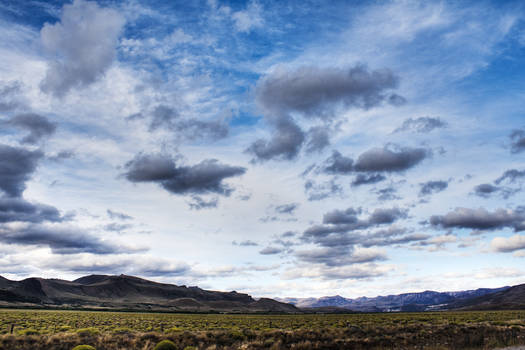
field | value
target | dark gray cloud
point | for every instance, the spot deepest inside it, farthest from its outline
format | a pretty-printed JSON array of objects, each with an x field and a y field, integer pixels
[
  {"x": 10, "y": 96},
  {"x": 481, "y": 219},
  {"x": 165, "y": 117},
  {"x": 204, "y": 177},
  {"x": 384, "y": 159},
  {"x": 199, "y": 203},
  {"x": 376, "y": 160},
  {"x": 247, "y": 243},
  {"x": 517, "y": 141},
  {"x": 82, "y": 45},
  {"x": 421, "y": 124},
  {"x": 38, "y": 126},
  {"x": 62, "y": 155},
  {"x": 315, "y": 92},
  {"x": 61, "y": 240},
  {"x": 18, "y": 209},
  {"x": 285, "y": 144},
  {"x": 387, "y": 194},
  {"x": 347, "y": 216},
  {"x": 319, "y": 191},
  {"x": 339, "y": 164},
  {"x": 430, "y": 187},
  {"x": 286, "y": 208},
  {"x": 117, "y": 227},
  {"x": 317, "y": 139},
  {"x": 343, "y": 221},
  {"x": 487, "y": 190},
  {"x": 338, "y": 256},
  {"x": 117, "y": 215},
  {"x": 270, "y": 251},
  {"x": 367, "y": 179},
  {"x": 511, "y": 175},
  {"x": 16, "y": 167}
]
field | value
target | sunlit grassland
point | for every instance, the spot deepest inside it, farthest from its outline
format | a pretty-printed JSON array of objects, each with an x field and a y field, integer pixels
[{"x": 50, "y": 329}]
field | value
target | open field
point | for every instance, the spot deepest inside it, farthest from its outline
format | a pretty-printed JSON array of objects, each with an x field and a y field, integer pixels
[{"x": 47, "y": 329}]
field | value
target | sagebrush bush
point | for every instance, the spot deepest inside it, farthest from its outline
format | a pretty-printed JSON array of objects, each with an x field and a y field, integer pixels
[
  {"x": 165, "y": 345},
  {"x": 84, "y": 347}
]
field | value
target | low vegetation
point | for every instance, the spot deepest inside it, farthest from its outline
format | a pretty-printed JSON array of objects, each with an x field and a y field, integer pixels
[{"x": 65, "y": 330}]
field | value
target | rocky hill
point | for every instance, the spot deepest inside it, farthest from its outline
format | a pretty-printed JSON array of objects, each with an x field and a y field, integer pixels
[{"x": 128, "y": 292}]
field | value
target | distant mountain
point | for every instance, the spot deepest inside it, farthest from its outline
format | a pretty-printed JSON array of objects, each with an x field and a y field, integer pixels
[
  {"x": 428, "y": 300},
  {"x": 128, "y": 292},
  {"x": 512, "y": 298}
]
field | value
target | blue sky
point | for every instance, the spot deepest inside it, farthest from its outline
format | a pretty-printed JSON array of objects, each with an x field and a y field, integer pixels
[{"x": 274, "y": 148}]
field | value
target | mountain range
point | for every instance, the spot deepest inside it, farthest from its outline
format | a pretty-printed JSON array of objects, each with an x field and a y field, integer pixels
[
  {"x": 423, "y": 301},
  {"x": 129, "y": 293},
  {"x": 133, "y": 293}
]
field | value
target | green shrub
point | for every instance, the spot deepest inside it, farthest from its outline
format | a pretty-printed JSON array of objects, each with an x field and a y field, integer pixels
[
  {"x": 29, "y": 331},
  {"x": 122, "y": 330},
  {"x": 87, "y": 331},
  {"x": 84, "y": 347},
  {"x": 190, "y": 348},
  {"x": 64, "y": 328},
  {"x": 173, "y": 330},
  {"x": 165, "y": 345}
]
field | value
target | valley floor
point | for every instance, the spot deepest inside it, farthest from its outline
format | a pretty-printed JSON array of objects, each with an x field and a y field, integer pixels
[{"x": 63, "y": 330}]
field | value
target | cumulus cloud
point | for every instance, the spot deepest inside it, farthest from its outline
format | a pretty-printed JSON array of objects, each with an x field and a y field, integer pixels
[
  {"x": 350, "y": 272},
  {"x": 430, "y": 187},
  {"x": 313, "y": 92},
  {"x": 285, "y": 143},
  {"x": 82, "y": 44},
  {"x": 376, "y": 160},
  {"x": 367, "y": 179},
  {"x": 487, "y": 190},
  {"x": 384, "y": 159},
  {"x": 38, "y": 126},
  {"x": 204, "y": 177},
  {"x": 18, "y": 209},
  {"x": 517, "y": 141},
  {"x": 16, "y": 167},
  {"x": 481, "y": 219},
  {"x": 316, "y": 92},
  {"x": 421, "y": 125},
  {"x": 339, "y": 256},
  {"x": 341, "y": 222},
  {"x": 509, "y": 244}
]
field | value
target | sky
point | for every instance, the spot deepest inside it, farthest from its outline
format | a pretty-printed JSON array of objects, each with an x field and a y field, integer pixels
[{"x": 276, "y": 148}]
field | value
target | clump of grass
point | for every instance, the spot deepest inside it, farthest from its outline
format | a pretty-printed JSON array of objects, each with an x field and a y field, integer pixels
[
  {"x": 84, "y": 347},
  {"x": 122, "y": 330},
  {"x": 29, "y": 331},
  {"x": 173, "y": 330},
  {"x": 165, "y": 345},
  {"x": 64, "y": 328},
  {"x": 87, "y": 331}
]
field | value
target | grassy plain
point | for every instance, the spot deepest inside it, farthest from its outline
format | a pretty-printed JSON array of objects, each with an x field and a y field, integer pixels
[{"x": 62, "y": 330}]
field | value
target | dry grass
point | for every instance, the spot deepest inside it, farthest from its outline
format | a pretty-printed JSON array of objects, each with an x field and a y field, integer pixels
[{"x": 112, "y": 331}]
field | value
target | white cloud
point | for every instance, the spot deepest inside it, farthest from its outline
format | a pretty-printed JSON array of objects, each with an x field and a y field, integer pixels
[{"x": 507, "y": 245}]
